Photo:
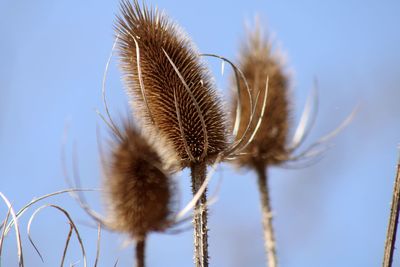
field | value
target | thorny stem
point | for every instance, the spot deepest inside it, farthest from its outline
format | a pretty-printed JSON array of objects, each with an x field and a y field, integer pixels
[
  {"x": 269, "y": 236},
  {"x": 140, "y": 252},
  {"x": 198, "y": 171},
  {"x": 393, "y": 222}
]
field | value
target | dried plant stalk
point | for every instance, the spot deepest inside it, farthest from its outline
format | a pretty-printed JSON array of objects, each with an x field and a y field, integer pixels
[
  {"x": 393, "y": 222},
  {"x": 270, "y": 145},
  {"x": 267, "y": 216},
  {"x": 200, "y": 216},
  {"x": 140, "y": 252}
]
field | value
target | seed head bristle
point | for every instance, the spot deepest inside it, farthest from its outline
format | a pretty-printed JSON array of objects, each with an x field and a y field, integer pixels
[
  {"x": 138, "y": 189},
  {"x": 172, "y": 91},
  {"x": 259, "y": 65}
]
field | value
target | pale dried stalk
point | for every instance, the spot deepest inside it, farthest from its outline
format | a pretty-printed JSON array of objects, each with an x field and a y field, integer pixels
[
  {"x": 267, "y": 218},
  {"x": 98, "y": 245},
  {"x": 16, "y": 228}
]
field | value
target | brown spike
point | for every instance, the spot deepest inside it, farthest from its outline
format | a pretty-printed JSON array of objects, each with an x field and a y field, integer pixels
[
  {"x": 258, "y": 64},
  {"x": 138, "y": 190},
  {"x": 172, "y": 91}
]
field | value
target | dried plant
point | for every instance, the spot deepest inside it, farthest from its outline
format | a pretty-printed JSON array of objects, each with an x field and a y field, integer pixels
[
  {"x": 172, "y": 91},
  {"x": 6, "y": 225},
  {"x": 183, "y": 125},
  {"x": 173, "y": 94},
  {"x": 138, "y": 190},
  {"x": 270, "y": 145},
  {"x": 260, "y": 66}
]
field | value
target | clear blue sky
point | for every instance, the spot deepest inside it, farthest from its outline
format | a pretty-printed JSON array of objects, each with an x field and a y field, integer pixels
[{"x": 332, "y": 214}]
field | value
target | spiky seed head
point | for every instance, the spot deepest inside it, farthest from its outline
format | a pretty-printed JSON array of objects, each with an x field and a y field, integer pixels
[
  {"x": 138, "y": 191},
  {"x": 177, "y": 92},
  {"x": 258, "y": 63}
]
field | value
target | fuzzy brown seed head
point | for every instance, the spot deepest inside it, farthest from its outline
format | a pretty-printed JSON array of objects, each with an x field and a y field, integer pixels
[
  {"x": 186, "y": 111},
  {"x": 258, "y": 64},
  {"x": 138, "y": 191}
]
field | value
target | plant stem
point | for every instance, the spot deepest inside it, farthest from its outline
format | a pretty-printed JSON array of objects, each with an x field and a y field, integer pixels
[
  {"x": 269, "y": 236},
  {"x": 200, "y": 232},
  {"x": 140, "y": 252},
  {"x": 393, "y": 222}
]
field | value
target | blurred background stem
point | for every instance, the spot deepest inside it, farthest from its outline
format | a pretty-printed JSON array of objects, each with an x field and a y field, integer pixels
[{"x": 269, "y": 235}]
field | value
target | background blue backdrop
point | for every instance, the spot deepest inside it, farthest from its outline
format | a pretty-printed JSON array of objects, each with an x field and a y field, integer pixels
[{"x": 332, "y": 214}]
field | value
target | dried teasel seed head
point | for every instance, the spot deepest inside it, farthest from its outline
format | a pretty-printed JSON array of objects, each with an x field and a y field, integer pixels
[
  {"x": 172, "y": 92},
  {"x": 138, "y": 191},
  {"x": 259, "y": 64}
]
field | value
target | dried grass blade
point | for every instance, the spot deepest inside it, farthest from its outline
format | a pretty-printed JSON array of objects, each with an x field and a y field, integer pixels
[
  {"x": 35, "y": 200},
  {"x": 3, "y": 231},
  {"x": 16, "y": 227},
  {"x": 80, "y": 198},
  {"x": 66, "y": 245},
  {"x": 71, "y": 222},
  {"x": 98, "y": 245}
]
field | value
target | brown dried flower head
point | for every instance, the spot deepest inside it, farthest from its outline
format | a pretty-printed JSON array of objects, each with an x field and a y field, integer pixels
[
  {"x": 172, "y": 92},
  {"x": 138, "y": 190},
  {"x": 260, "y": 65}
]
